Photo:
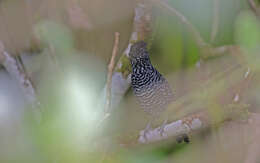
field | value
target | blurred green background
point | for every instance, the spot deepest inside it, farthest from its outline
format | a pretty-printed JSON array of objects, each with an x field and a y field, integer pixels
[{"x": 66, "y": 46}]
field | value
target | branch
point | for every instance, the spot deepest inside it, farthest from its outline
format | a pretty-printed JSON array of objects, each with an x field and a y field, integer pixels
[
  {"x": 120, "y": 82},
  {"x": 254, "y": 7},
  {"x": 12, "y": 67},
  {"x": 209, "y": 51},
  {"x": 176, "y": 128},
  {"x": 193, "y": 123}
]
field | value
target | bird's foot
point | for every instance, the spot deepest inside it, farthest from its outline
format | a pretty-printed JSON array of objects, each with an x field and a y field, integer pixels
[
  {"x": 186, "y": 138},
  {"x": 183, "y": 137}
]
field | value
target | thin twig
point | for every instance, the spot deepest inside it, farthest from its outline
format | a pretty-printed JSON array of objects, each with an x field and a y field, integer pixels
[
  {"x": 111, "y": 66},
  {"x": 120, "y": 81},
  {"x": 110, "y": 72},
  {"x": 215, "y": 23},
  {"x": 200, "y": 41}
]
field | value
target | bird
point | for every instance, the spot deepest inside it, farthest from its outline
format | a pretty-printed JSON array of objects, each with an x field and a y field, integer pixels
[{"x": 152, "y": 90}]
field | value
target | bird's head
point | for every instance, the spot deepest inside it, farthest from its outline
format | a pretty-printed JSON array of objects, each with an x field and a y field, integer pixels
[{"x": 138, "y": 50}]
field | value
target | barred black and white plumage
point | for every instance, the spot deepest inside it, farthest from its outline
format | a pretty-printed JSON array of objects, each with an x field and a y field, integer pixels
[{"x": 152, "y": 90}]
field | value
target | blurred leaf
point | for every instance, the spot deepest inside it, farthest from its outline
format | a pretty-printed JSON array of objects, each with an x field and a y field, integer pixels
[
  {"x": 247, "y": 32},
  {"x": 167, "y": 54},
  {"x": 56, "y": 35}
]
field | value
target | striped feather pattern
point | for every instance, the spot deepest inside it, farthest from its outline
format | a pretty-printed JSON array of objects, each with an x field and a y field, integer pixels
[{"x": 152, "y": 90}]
